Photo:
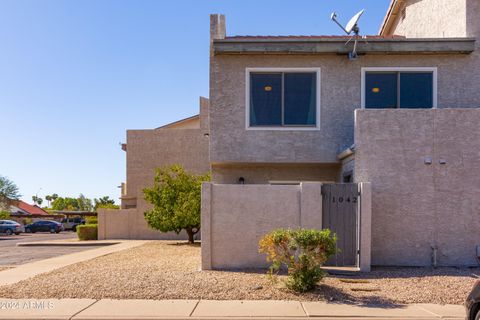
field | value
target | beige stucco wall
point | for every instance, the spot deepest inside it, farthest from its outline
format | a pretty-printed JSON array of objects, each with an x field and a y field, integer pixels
[
  {"x": 151, "y": 149},
  {"x": 266, "y": 173},
  {"x": 340, "y": 96},
  {"x": 431, "y": 19},
  {"x": 473, "y": 21},
  {"x": 129, "y": 224},
  {"x": 416, "y": 206},
  {"x": 235, "y": 217}
]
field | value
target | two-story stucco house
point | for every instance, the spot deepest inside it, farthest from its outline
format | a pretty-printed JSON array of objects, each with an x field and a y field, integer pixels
[
  {"x": 402, "y": 117},
  {"x": 384, "y": 148}
]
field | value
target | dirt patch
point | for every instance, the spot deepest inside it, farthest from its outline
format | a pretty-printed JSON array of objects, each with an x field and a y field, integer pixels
[
  {"x": 5, "y": 267},
  {"x": 166, "y": 270}
]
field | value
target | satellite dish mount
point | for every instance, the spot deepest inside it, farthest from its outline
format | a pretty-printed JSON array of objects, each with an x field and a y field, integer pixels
[{"x": 351, "y": 27}]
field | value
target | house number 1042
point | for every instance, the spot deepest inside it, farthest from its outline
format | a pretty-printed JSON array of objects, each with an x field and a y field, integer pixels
[{"x": 342, "y": 199}]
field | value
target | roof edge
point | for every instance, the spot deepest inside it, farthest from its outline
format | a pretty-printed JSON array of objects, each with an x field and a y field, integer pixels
[
  {"x": 387, "y": 17},
  {"x": 166, "y": 126}
]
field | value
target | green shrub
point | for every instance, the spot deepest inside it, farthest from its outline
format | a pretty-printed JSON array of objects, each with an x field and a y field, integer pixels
[
  {"x": 4, "y": 215},
  {"x": 91, "y": 220},
  {"x": 302, "y": 251},
  {"x": 87, "y": 232}
]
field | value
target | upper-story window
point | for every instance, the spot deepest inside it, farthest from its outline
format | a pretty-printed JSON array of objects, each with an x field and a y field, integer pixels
[
  {"x": 389, "y": 88},
  {"x": 283, "y": 98}
]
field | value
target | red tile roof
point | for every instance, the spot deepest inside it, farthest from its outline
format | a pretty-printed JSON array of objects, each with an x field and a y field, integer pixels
[{"x": 31, "y": 209}]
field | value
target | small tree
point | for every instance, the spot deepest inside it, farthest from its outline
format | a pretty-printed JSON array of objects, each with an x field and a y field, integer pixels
[
  {"x": 8, "y": 192},
  {"x": 176, "y": 199}
]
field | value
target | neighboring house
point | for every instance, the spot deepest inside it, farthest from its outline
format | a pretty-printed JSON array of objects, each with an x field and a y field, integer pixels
[
  {"x": 182, "y": 142},
  {"x": 22, "y": 208},
  {"x": 290, "y": 115}
]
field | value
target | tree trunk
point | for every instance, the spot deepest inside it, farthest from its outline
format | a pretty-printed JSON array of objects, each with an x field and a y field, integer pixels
[{"x": 190, "y": 235}]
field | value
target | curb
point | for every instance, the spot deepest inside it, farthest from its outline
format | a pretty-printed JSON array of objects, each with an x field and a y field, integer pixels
[
  {"x": 106, "y": 309},
  {"x": 66, "y": 244}
]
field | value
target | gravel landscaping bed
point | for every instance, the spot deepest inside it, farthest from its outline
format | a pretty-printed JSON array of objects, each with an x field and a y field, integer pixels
[
  {"x": 170, "y": 270},
  {"x": 4, "y": 268}
]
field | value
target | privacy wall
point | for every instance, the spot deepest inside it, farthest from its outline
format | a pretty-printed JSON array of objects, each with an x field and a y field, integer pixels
[
  {"x": 235, "y": 217},
  {"x": 130, "y": 224},
  {"x": 424, "y": 168}
]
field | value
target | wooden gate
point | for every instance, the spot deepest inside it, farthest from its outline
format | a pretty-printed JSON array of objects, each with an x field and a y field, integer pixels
[{"x": 340, "y": 214}]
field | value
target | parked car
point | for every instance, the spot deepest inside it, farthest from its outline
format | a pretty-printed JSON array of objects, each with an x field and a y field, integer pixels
[
  {"x": 473, "y": 303},
  {"x": 45, "y": 226},
  {"x": 72, "y": 223},
  {"x": 10, "y": 227}
]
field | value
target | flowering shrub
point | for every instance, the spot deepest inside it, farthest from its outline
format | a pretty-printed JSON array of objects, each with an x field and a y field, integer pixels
[{"x": 302, "y": 251}]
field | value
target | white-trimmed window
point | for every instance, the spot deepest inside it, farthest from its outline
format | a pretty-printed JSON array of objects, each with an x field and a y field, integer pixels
[
  {"x": 279, "y": 99},
  {"x": 393, "y": 88}
]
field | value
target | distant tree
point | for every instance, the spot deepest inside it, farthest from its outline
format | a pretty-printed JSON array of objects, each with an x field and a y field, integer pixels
[
  {"x": 84, "y": 204},
  {"x": 67, "y": 203},
  {"x": 4, "y": 215},
  {"x": 8, "y": 192},
  {"x": 175, "y": 196},
  {"x": 105, "y": 203},
  {"x": 49, "y": 199},
  {"x": 81, "y": 203},
  {"x": 58, "y": 204},
  {"x": 37, "y": 200}
]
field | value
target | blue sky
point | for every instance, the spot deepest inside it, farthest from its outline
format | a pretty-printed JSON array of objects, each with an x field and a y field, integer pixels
[{"x": 74, "y": 75}]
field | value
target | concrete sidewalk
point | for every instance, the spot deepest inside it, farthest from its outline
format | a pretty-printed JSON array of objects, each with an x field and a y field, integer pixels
[
  {"x": 28, "y": 270},
  {"x": 207, "y": 309},
  {"x": 69, "y": 243}
]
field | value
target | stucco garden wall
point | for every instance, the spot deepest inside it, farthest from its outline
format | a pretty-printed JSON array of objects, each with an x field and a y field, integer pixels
[
  {"x": 235, "y": 217},
  {"x": 129, "y": 224},
  {"x": 418, "y": 206}
]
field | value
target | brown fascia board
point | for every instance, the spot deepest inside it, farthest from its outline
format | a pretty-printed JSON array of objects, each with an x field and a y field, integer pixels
[{"x": 375, "y": 45}]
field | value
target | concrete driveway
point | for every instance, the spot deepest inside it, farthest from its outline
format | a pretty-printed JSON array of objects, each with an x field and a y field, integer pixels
[{"x": 11, "y": 255}]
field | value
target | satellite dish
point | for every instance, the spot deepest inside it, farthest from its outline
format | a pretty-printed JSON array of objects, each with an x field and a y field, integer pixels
[{"x": 352, "y": 26}]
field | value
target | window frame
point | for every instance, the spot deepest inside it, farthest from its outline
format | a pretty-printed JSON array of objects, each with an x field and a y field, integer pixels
[
  {"x": 316, "y": 127},
  {"x": 433, "y": 70}
]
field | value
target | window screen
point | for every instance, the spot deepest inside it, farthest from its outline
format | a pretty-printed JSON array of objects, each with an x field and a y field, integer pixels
[
  {"x": 283, "y": 99},
  {"x": 300, "y": 98},
  {"x": 398, "y": 90},
  {"x": 265, "y": 99},
  {"x": 381, "y": 90},
  {"x": 416, "y": 90}
]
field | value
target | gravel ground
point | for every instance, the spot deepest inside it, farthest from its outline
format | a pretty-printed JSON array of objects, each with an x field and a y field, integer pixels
[
  {"x": 169, "y": 270},
  {"x": 4, "y": 268}
]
